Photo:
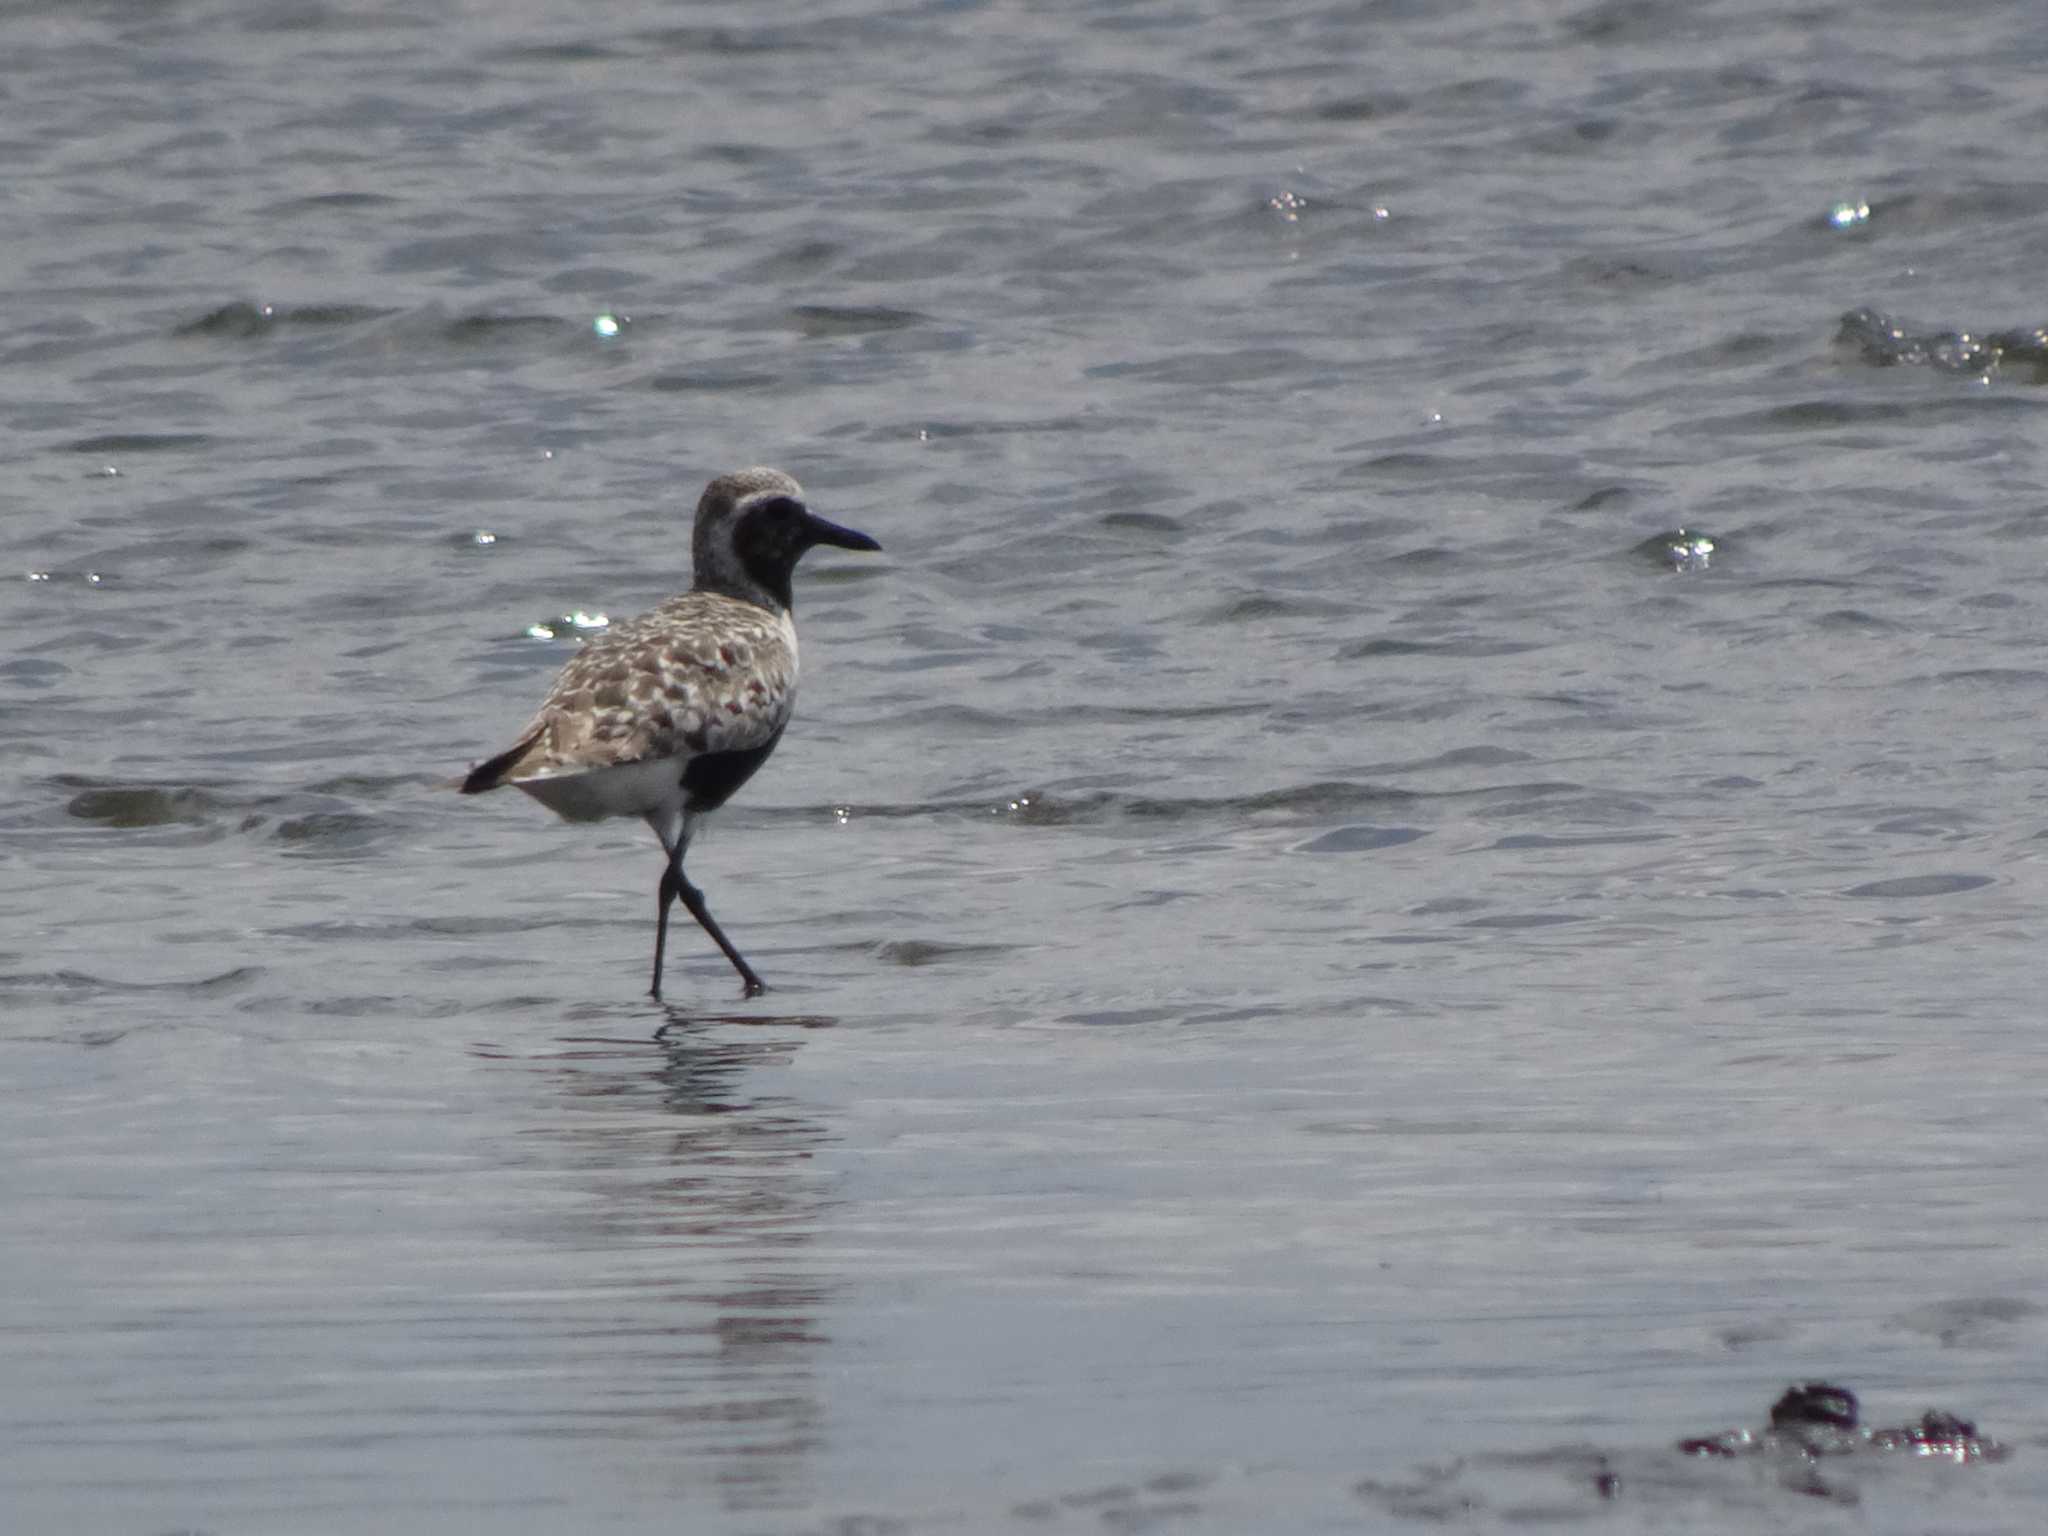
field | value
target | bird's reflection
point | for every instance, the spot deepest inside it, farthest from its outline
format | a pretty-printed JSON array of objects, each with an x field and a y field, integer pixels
[
  {"x": 700, "y": 1201},
  {"x": 681, "y": 1023}
]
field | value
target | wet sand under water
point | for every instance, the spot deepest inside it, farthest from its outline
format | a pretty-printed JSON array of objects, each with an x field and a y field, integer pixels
[{"x": 1416, "y": 877}]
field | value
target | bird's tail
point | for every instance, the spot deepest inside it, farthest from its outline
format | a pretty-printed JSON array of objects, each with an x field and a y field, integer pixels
[{"x": 493, "y": 772}]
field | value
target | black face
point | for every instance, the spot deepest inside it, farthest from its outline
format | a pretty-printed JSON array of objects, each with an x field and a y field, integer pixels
[{"x": 773, "y": 534}]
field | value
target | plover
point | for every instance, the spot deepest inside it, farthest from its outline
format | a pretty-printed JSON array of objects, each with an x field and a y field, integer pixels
[{"x": 669, "y": 713}]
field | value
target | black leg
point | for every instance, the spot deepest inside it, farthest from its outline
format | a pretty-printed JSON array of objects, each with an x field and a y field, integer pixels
[
  {"x": 694, "y": 900},
  {"x": 662, "y": 900},
  {"x": 673, "y": 884}
]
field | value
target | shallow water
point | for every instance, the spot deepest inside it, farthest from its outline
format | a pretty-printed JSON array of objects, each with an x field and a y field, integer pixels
[{"x": 1323, "y": 978}]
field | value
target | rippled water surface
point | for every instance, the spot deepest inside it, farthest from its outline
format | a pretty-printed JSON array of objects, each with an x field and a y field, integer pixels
[{"x": 1419, "y": 872}]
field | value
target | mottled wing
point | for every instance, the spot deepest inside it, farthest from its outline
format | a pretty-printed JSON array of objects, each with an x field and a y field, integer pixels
[{"x": 701, "y": 673}]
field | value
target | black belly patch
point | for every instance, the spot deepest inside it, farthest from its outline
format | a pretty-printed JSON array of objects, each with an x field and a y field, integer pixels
[{"x": 709, "y": 781}]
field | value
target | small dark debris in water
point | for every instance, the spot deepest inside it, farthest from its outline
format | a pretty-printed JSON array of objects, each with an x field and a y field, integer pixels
[
  {"x": 1817, "y": 1403},
  {"x": 1682, "y": 549},
  {"x": 1813, "y": 1448},
  {"x": 1818, "y": 1418},
  {"x": 1939, "y": 1433},
  {"x": 1885, "y": 342}
]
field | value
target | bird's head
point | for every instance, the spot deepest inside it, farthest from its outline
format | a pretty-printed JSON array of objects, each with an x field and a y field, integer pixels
[{"x": 752, "y": 528}]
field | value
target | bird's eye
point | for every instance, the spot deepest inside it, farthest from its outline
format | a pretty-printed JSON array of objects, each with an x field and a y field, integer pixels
[{"x": 782, "y": 508}]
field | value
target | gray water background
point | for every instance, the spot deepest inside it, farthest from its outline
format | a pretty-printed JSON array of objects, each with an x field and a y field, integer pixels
[{"x": 1317, "y": 985}]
